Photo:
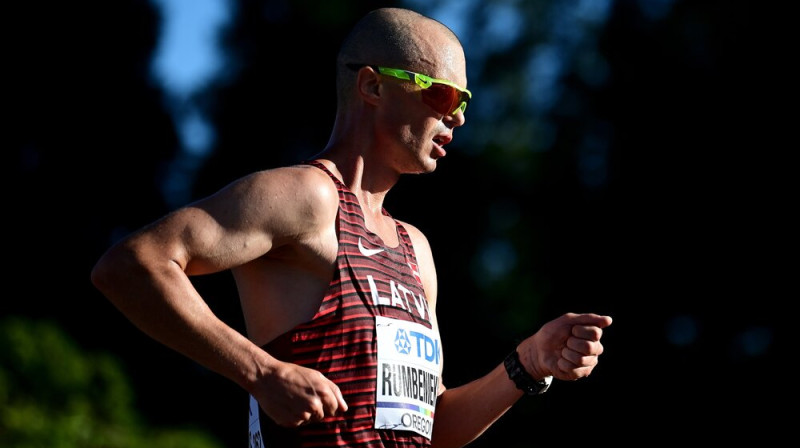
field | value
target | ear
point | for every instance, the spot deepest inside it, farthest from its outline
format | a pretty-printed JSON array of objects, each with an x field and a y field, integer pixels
[{"x": 368, "y": 85}]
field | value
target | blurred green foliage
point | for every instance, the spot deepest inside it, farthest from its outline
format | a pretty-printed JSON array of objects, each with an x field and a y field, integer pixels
[{"x": 53, "y": 394}]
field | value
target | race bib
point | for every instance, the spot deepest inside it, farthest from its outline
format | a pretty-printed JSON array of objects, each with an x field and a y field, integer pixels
[
  {"x": 256, "y": 441},
  {"x": 409, "y": 363}
]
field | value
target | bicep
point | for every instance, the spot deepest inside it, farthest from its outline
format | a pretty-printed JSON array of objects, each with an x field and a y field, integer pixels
[
  {"x": 212, "y": 234},
  {"x": 197, "y": 239},
  {"x": 246, "y": 220}
]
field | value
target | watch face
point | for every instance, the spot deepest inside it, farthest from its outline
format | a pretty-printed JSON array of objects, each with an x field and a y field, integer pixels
[
  {"x": 544, "y": 384},
  {"x": 536, "y": 387}
]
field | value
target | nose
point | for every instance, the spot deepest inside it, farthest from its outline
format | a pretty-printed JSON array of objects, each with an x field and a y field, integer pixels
[{"x": 455, "y": 120}]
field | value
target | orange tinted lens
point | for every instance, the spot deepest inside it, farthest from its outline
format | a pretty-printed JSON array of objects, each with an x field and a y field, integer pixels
[{"x": 441, "y": 98}]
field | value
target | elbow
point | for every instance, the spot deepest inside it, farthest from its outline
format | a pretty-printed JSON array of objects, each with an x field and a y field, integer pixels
[
  {"x": 101, "y": 274},
  {"x": 112, "y": 270}
]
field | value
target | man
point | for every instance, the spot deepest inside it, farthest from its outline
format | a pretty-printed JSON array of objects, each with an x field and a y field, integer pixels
[{"x": 339, "y": 298}]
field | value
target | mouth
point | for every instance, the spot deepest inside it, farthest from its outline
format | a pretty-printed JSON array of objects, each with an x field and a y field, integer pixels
[
  {"x": 442, "y": 139},
  {"x": 438, "y": 144}
]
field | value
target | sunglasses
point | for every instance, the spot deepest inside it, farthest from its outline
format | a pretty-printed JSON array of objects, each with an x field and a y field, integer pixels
[{"x": 441, "y": 95}]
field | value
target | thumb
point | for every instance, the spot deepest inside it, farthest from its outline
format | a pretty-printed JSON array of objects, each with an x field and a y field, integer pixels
[
  {"x": 593, "y": 319},
  {"x": 340, "y": 398}
]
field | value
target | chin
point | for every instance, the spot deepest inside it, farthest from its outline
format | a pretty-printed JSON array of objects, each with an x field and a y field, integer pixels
[{"x": 429, "y": 166}]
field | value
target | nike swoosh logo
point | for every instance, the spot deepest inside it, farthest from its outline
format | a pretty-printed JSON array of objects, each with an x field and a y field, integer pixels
[{"x": 367, "y": 252}]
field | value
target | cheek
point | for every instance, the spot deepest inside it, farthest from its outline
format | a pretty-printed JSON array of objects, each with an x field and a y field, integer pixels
[
  {"x": 426, "y": 128},
  {"x": 418, "y": 134},
  {"x": 410, "y": 121}
]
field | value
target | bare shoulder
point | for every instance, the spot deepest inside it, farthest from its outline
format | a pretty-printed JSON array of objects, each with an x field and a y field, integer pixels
[
  {"x": 295, "y": 180},
  {"x": 417, "y": 237},
  {"x": 282, "y": 204},
  {"x": 427, "y": 268},
  {"x": 422, "y": 250}
]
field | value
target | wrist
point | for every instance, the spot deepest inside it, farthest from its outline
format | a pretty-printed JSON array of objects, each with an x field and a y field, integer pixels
[{"x": 522, "y": 379}]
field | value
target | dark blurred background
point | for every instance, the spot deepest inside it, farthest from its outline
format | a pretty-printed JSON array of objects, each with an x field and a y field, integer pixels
[{"x": 620, "y": 157}]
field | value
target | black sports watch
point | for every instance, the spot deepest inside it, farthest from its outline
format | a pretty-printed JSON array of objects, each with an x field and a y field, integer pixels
[{"x": 523, "y": 380}]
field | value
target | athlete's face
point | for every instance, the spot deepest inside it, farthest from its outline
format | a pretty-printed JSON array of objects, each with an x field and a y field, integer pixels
[{"x": 416, "y": 130}]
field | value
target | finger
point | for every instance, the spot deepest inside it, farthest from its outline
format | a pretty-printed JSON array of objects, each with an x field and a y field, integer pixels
[
  {"x": 577, "y": 358},
  {"x": 590, "y": 319},
  {"x": 340, "y": 399},
  {"x": 570, "y": 371},
  {"x": 585, "y": 346},
  {"x": 589, "y": 332},
  {"x": 578, "y": 345},
  {"x": 334, "y": 401},
  {"x": 317, "y": 409},
  {"x": 302, "y": 419}
]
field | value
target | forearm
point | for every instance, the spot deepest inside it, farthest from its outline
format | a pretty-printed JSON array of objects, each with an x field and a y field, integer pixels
[
  {"x": 465, "y": 412},
  {"x": 160, "y": 300}
]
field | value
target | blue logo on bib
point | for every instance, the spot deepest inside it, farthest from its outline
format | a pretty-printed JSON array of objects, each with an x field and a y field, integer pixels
[{"x": 401, "y": 342}]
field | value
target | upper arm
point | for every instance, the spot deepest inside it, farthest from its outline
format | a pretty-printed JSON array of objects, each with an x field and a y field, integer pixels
[
  {"x": 427, "y": 271},
  {"x": 242, "y": 221}
]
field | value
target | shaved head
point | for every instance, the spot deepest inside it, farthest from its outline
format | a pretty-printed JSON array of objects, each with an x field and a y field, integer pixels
[{"x": 395, "y": 37}]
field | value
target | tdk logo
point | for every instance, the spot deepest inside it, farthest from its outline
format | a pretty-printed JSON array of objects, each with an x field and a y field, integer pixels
[{"x": 417, "y": 344}]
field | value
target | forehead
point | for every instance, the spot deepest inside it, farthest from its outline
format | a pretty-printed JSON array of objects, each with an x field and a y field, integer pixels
[{"x": 441, "y": 56}]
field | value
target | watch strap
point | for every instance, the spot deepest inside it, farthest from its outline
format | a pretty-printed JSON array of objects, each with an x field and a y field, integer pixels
[{"x": 522, "y": 379}]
